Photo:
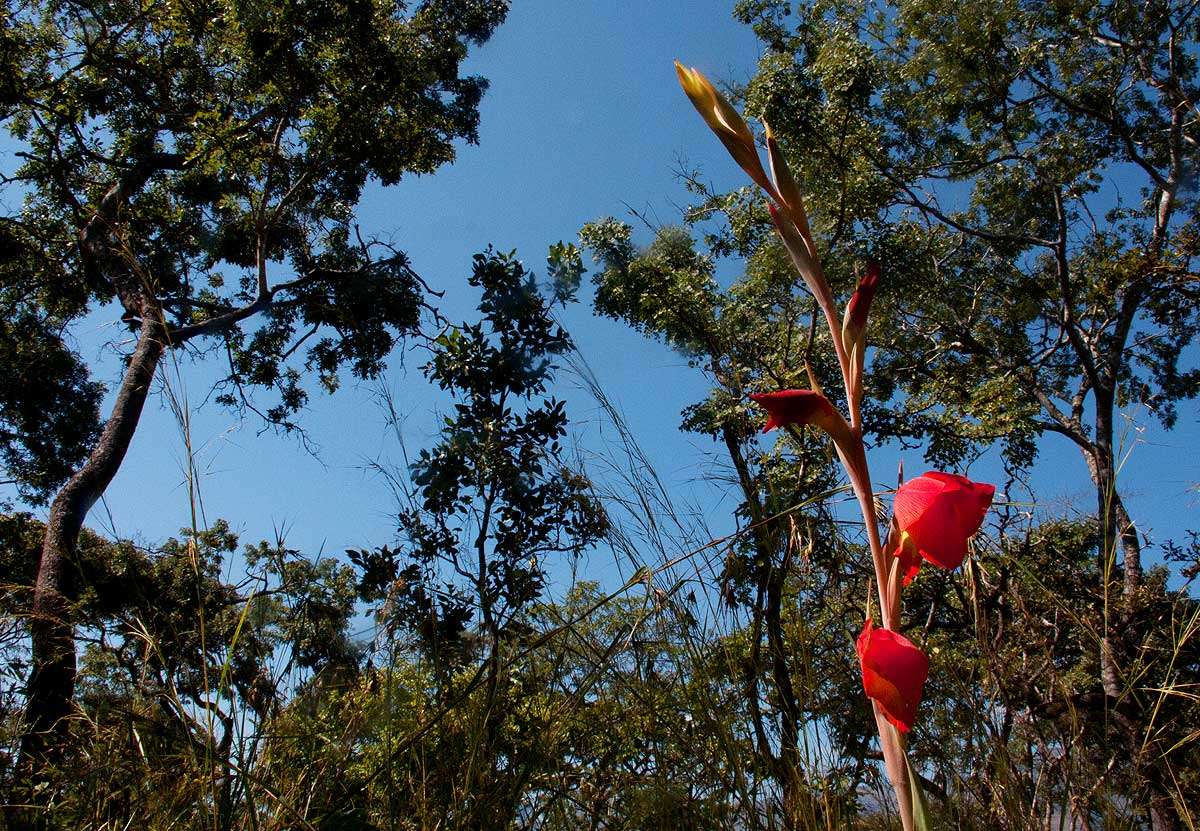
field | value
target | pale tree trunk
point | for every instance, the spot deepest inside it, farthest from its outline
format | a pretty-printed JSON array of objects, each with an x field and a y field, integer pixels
[
  {"x": 1119, "y": 533},
  {"x": 51, "y": 684},
  {"x": 1119, "y": 536}
]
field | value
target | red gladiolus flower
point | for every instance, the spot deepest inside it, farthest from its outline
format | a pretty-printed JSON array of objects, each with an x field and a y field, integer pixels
[
  {"x": 893, "y": 673},
  {"x": 936, "y": 514},
  {"x": 798, "y": 407},
  {"x": 802, "y": 407}
]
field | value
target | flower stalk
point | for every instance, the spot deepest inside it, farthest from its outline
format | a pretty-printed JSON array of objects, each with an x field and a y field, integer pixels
[{"x": 934, "y": 515}]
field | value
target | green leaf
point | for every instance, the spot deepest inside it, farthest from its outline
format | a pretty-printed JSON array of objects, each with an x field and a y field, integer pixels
[{"x": 920, "y": 809}]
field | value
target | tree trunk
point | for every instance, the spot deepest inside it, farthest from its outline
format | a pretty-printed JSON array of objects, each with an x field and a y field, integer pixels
[
  {"x": 797, "y": 806},
  {"x": 1162, "y": 811},
  {"x": 1131, "y": 547},
  {"x": 51, "y": 684},
  {"x": 790, "y": 772},
  {"x": 1119, "y": 533},
  {"x": 1118, "y": 530}
]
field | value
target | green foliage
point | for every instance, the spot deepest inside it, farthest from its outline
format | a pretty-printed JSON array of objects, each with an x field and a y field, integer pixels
[
  {"x": 179, "y": 664},
  {"x": 666, "y": 291},
  {"x": 495, "y": 497},
  {"x": 48, "y": 405},
  {"x": 564, "y": 265},
  {"x": 603, "y": 726},
  {"x": 204, "y": 168},
  {"x": 1022, "y": 173},
  {"x": 623, "y": 711}
]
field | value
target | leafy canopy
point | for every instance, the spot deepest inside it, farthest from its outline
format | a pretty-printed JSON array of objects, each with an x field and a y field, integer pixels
[
  {"x": 494, "y": 500},
  {"x": 201, "y": 164},
  {"x": 1024, "y": 171}
]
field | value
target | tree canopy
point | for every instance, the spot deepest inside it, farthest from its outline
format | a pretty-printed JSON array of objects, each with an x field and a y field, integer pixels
[
  {"x": 1024, "y": 172},
  {"x": 191, "y": 169},
  {"x": 202, "y": 166}
]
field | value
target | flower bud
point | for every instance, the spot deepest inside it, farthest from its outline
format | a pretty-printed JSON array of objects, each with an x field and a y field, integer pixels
[
  {"x": 893, "y": 673},
  {"x": 725, "y": 121}
]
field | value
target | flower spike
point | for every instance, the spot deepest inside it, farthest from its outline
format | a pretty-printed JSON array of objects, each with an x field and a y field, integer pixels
[{"x": 802, "y": 258}]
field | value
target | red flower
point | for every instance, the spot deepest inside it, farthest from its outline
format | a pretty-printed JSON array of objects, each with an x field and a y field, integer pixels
[
  {"x": 936, "y": 514},
  {"x": 893, "y": 673},
  {"x": 798, "y": 407},
  {"x": 801, "y": 407}
]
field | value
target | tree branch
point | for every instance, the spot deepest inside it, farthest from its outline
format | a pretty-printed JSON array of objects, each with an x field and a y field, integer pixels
[
  {"x": 929, "y": 209},
  {"x": 91, "y": 235},
  {"x": 1062, "y": 268}
]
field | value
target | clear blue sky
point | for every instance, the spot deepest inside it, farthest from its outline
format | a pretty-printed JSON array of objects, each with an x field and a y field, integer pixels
[{"x": 583, "y": 117}]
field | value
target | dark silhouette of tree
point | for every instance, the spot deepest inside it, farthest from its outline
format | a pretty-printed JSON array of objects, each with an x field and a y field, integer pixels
[{"x": 494, "y": 504}]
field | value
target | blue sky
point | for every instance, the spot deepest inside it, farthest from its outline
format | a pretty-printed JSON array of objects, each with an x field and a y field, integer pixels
[{"x": 583, "y": 119}]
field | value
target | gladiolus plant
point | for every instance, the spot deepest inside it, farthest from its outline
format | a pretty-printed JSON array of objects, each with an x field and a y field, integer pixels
[{"x": 934, "y": 515}]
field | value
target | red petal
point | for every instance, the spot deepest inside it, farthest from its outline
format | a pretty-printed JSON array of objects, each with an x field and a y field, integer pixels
[
  {"x": 894, "y": 672},
  {"x": 971, "y": 499},
  {"x": 940, "y": 512},
  {"x": 797, "y": 407}
]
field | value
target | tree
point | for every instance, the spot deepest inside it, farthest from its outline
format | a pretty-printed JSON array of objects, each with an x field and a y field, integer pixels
[
  {"x": 493, "y": 504},
  {"x": 1043, "y": 298},
  {"x": 1025, "y": 687},
  {"x": 194, "y": 169},
  {"x": 610, "y": 722},
  {"x": 182, "y": 669}
]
